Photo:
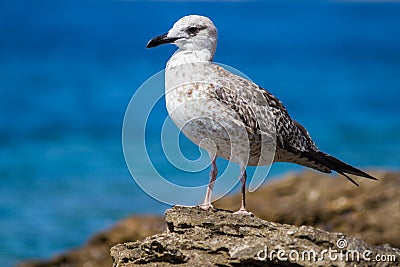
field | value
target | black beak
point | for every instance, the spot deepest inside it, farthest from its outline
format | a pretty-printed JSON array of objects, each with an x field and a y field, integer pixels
[{"x": 159, "y": 40}]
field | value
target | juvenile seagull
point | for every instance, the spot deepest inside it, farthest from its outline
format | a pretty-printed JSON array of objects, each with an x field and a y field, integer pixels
[{"x": 231, "y": 116}]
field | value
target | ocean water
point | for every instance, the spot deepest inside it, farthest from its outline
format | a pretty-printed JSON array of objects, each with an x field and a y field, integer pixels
[{"x": 68, "y": 70}]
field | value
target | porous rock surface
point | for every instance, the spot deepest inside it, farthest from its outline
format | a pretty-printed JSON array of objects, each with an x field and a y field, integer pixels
[{"x": 195, "y": 237}]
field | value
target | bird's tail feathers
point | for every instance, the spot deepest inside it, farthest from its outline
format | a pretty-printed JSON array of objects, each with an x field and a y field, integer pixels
[{"x": 336, "y": 165}]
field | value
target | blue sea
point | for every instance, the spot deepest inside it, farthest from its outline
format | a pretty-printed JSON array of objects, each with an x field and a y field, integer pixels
[{"x": 68, "y": 70}]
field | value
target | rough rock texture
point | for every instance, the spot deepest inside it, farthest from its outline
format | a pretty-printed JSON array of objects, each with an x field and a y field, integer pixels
[
  {"x": 370, "y": 212},
  {"x": 220, "y": 238}
]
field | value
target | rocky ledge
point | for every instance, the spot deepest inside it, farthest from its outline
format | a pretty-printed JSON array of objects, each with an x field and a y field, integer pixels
[
  {"x": 369, "y": 212},
  {"x": 195, "y": 237}
]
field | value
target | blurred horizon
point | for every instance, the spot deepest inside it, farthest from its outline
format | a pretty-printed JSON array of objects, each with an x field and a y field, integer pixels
[{"x": 69, "y": 70}]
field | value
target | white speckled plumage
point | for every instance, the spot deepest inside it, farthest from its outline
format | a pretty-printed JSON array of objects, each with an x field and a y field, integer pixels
[{"x": 228, "y": 115}]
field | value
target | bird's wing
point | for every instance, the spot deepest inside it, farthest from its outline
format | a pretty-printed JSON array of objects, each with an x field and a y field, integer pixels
[
  {"x": 240, "y": 105},
  {"x": 293, "y": 142},
  {"x": 247, "y": 99}
]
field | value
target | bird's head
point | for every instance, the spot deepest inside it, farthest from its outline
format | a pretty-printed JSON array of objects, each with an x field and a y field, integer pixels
[{"x": 191, "y": 33}]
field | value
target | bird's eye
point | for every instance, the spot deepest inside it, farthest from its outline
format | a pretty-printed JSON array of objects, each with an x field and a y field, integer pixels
[{"x": 192, "y": 30}]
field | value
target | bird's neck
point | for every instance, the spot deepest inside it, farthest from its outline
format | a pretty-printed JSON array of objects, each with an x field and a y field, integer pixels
[{"x": 189, "y": 56}]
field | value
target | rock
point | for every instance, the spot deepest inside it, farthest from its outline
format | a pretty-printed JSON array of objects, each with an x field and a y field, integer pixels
[
  {"x": 370, "y": 212},
  {"x": 220, "y": 238}
]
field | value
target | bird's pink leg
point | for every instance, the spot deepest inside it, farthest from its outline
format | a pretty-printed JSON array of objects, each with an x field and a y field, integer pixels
[
  {"x": 213, "y": 176},
  {"x": 243, "y": 177}
]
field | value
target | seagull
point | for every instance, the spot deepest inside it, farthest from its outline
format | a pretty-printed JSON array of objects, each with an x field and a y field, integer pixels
[{"x": 230, "y": 116}]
